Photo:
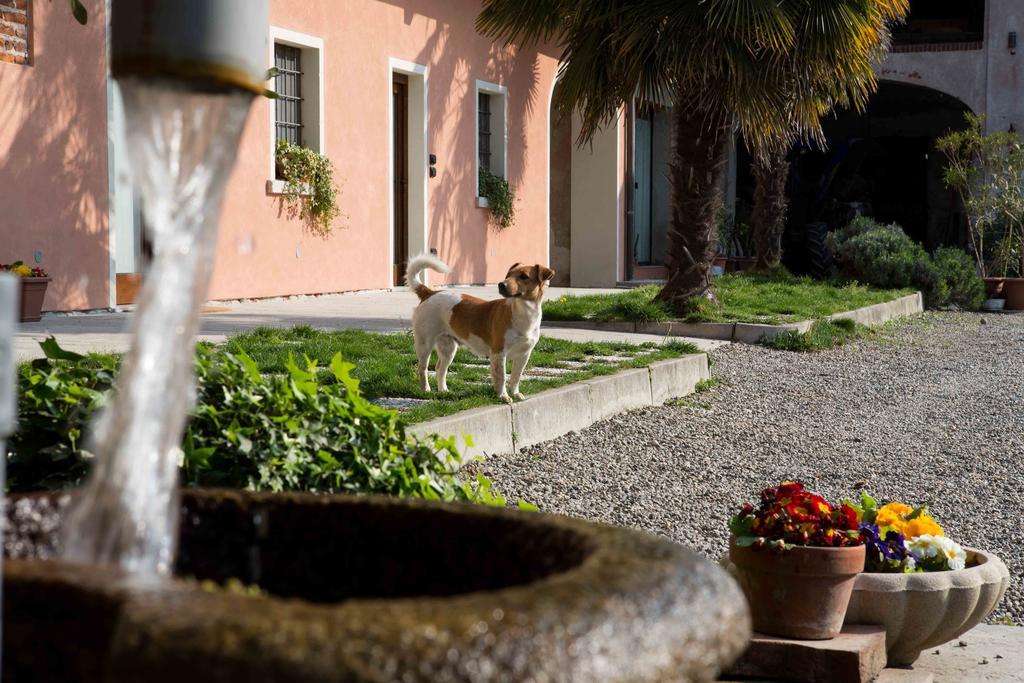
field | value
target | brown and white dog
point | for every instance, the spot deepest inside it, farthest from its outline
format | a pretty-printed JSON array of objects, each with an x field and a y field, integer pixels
[{"x": 506, "y": 328}]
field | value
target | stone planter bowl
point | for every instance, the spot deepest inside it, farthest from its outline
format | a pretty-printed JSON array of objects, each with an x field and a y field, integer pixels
[
  {"x": 921, "y": 611},
  {"x": 369, "y": 589}
]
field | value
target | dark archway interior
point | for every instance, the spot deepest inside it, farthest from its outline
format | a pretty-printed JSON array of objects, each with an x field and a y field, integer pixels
[{"x": 881, "y": 163}]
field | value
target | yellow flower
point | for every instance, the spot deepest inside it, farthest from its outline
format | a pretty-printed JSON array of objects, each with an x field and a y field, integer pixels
[
  {"x": 921, "y": 525},
  {"x": 892, "y": 515},
  {"x": 22, "y": 270}
]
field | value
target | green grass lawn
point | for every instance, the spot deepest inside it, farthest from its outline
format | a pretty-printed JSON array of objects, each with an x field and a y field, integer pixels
[
  {"x": 772, "y": 298},
  {"x": 385, "y": 364}
]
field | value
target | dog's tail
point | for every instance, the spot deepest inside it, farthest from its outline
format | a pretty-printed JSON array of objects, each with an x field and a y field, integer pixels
[{"x": 416, "y": 266}]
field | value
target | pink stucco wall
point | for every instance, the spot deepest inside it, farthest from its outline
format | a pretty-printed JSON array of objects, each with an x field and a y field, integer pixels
[
  {"x": 53, "y": 156},
  {"x": 262, "y": 253}
]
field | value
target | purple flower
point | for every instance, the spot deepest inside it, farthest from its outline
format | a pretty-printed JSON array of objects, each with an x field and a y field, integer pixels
[{"x": 884, "y": 554}]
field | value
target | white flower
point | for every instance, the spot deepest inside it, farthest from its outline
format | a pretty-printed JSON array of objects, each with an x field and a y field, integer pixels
[
  {"x": 923, "y": 546},
  {"x": 955, "y": 555},
  {"x": 926, "y": 547}
]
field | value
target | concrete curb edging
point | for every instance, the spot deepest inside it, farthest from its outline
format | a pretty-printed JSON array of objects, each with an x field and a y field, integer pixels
[
  {"x": 502, "y": 429},
  {"x": 751, "y": 333}
]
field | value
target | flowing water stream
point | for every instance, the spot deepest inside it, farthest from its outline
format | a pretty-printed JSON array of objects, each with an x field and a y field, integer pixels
[{"x": 181, "y": 147}]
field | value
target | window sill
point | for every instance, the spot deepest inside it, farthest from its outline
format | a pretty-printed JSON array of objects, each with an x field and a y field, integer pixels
[
  {"x": 276, "y": 187},
  {"x": 483, "y": 203}
]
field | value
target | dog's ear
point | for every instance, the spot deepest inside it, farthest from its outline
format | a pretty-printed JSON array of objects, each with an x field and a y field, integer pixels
[
  {"x": 511, "y": 268},
  {"x": 543, "y": 273}
]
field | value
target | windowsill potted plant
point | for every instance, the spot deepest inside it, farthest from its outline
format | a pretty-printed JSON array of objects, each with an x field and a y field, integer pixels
[
  {"x": 33, "y": 289},
  {"x": 922, "y": 586},
  {"x": 796, "y": 558}
]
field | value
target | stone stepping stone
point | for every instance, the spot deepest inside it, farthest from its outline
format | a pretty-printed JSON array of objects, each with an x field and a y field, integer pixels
[
  {"x": 399, "y": 403},
  {"x": 548, "y": 372},
  {"x": 611, "y": 359}
]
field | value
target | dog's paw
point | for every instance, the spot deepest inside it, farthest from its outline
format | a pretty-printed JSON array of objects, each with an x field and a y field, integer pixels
[
  {"x": 506, "y": 398},
  {"x": 518, "y": 395}
]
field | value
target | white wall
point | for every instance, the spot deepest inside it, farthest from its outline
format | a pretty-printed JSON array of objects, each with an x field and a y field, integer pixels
[{"x": 596, "y": 207}]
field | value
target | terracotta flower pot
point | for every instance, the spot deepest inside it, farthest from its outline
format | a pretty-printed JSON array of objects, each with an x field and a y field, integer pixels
[
  {"x": 994, "y": 287},
  {"x": 33, "y": 290},
  {"x": 1014, "y": 291},
  {"x": 921, "y": 611},
  {"x": 800, "y": 593}
]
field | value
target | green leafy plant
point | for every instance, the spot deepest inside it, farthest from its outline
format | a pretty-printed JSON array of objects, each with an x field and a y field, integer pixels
[
  {"x": 79, "y": 12},
  {"x": 309, "y": 187},
  {"x": 499, "y": 196},
  {"x": 986, "y": 172},
  {"x": 56, "y": 397},
  {"x": 301, "y": 430}
]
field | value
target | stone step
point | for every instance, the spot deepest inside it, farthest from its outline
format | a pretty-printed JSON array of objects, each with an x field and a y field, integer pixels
[
  {"x": 857, "y": 655},
  {"x": 904, "y": 676}
]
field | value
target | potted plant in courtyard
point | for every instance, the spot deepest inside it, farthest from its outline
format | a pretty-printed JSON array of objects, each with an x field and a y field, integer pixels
[
  {"x": 922, "y": 586},
  {"x": 796, "y": 558},
  {"x": 985, "y": 170},
  {"x": 33, "y": 289}
]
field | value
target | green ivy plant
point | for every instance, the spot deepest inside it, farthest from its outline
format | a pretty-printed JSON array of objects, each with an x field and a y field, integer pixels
[
  {"x": 309, "y": 188},
  {"x": 499, "y": 196}
]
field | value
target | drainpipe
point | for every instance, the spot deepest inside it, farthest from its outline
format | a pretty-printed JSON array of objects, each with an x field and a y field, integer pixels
[{"x": 630, "y": 187}]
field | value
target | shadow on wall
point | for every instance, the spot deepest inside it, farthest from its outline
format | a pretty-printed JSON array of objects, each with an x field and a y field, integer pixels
[
  {"x": 53, "y": 157},
  {"x": 452, "y": 106}
]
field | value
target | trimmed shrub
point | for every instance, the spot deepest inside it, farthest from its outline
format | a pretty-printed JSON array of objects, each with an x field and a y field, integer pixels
[
  {"x": 291, "y": 431},
  {"x": 884, "y": 256},
  {"x": 957, "y": 270}
]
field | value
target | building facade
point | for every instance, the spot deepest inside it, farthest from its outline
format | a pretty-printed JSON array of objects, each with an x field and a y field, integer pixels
[
  {"x": 408, "y": 102},
  {"x": 403, "y": 96},
  {"x": 951, "y": 57}
]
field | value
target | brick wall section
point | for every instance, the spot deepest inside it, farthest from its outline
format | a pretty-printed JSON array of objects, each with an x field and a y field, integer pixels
[{"x": 15, "y": 31}]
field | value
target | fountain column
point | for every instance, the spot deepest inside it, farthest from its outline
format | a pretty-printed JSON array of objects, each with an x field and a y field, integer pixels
[
  {"x": 188, "y": 71},
  {"x": 10, "y": 289}
]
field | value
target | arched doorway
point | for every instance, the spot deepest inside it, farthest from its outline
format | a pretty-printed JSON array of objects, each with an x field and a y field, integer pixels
[{"x": 882, "y": 163}]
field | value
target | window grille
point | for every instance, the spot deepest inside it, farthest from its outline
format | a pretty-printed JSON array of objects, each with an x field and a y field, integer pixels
[
  {"x": 288, "y": 85},
  {"x": 484, "y": 144}
]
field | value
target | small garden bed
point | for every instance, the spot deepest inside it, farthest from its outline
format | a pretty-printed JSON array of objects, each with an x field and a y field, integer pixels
[
  {"x": 769, "y": 298},
  {"x": 296, "y": 409},
  {"x": 385, "y": 365}
]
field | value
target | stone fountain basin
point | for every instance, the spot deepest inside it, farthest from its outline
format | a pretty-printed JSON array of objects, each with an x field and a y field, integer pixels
[{"x": 369, "y": 589}]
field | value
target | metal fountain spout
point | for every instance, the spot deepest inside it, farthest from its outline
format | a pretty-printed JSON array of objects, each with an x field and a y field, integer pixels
[{"x": 204, "y": 45}]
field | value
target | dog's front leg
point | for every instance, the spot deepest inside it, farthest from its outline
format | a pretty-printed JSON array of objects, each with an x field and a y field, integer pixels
[
  {"x": 518, "y": 365},
  {"x": 498, "y": 376}
]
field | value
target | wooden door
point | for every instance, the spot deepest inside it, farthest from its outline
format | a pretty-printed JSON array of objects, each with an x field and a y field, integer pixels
[{"x": 400, "y": 143}]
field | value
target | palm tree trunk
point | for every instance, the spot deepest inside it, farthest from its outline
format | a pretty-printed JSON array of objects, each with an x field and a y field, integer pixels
[
  {"x": 697, "y": 173},
  {"x": 771, "y": 172}
]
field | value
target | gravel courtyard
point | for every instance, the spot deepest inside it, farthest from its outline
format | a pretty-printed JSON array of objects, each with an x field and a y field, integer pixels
[{"x": 929, "y": 410}]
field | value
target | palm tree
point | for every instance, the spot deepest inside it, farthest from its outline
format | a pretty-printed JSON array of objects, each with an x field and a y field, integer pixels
[
  {"x": 770, "y": 67},
  {"x": 768, "y": 218}
]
